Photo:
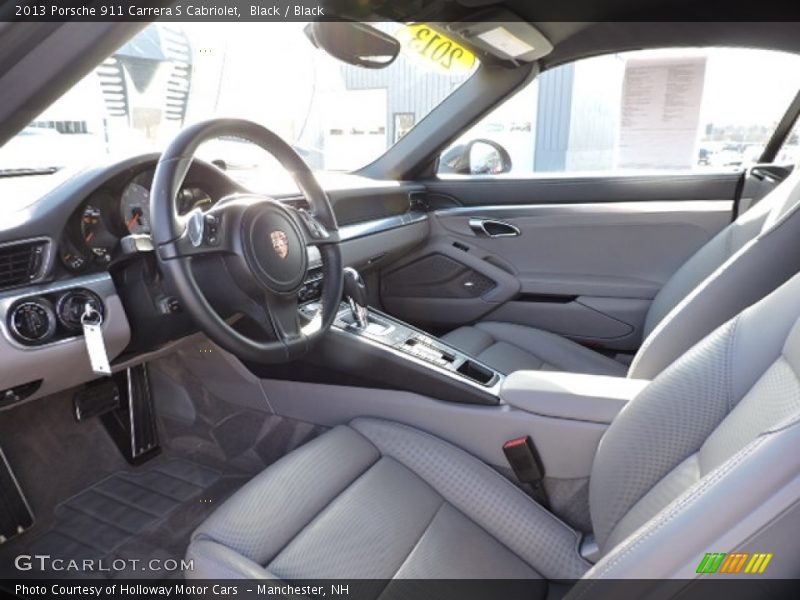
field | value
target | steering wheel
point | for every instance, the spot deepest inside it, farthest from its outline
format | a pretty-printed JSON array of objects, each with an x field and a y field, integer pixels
[{"x": 258, "y": 246}]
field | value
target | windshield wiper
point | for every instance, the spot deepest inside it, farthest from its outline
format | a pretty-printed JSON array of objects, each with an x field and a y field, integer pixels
[{"x": 25, "y": 172}]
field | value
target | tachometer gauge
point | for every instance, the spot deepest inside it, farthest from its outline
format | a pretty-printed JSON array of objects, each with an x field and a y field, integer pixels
[
  {"x": 135, "y": 208},
  {"x": 95, "y": 233}
]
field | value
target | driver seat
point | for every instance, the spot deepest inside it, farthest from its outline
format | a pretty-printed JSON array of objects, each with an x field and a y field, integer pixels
[{"x": 703, "y": 460}]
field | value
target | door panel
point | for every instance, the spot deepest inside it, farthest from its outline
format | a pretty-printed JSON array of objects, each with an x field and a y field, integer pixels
[
  {"x": 587, "y": 270},
  {"x": 425, "y": 287},
  {"x": 627, "y": 249}
]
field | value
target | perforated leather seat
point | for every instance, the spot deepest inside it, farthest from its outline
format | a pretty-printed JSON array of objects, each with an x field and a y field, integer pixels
[
  {"x": 740, "y": 265},
  {"x": 713, "y": 440}
]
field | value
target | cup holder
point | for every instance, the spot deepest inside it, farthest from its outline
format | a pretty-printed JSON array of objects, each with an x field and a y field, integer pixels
[{"x": 475, "y": 372}]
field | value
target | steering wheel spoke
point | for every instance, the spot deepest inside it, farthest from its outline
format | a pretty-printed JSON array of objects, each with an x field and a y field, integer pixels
[
  {"x": 314, "y": 231},
  {"x": 284, "y": 316},
  {"x": 206, "y": 233}
]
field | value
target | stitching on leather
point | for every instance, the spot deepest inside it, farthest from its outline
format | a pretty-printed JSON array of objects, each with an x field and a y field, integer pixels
[
  {"x": 416, "y": 545},
  {"x": 795, "y": 206},
  {"x": 542, "y": 363},
  {"x": 669, "y": 319},
  {"x": 482, "y": 465},
  {"x": 320, "y": 512},
  {"x": 201, "y": 553},
  {"x": 730, "y": 325},
  {"x": 206, "y": 535},
  {"x": 729, "y": 353},
  {"x": 564, "y": 344},
  {"x": 482, "y": 347},
  {"x": 670, "y": 513}
]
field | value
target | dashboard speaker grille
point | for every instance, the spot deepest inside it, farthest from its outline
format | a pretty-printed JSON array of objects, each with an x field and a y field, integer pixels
[{"x": 21, "y": 263}]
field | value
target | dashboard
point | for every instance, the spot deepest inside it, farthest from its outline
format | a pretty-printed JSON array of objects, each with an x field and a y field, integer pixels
[{"x": 63, "y": 245}]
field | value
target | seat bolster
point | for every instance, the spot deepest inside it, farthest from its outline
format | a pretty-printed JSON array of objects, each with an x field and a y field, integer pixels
[
  {"x": 280, "y": 495},
  {"x": 484, "y": 496},
  {"x": 212, "y": 560}
]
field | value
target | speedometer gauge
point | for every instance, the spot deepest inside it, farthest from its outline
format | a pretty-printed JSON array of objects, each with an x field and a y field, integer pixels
[{"x": 135, "y": 208}]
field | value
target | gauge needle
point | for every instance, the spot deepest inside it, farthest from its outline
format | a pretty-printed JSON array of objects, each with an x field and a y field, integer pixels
[
  {"x": 90, "y": 237},
  {"x": 134, "y": 220}
]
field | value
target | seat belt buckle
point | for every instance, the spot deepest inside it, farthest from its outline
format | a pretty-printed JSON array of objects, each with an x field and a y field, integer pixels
[{"x": 524, "y": 460}]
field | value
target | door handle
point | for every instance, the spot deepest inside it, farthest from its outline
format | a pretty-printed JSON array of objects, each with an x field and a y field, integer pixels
[{"x": 493, "y": 228}]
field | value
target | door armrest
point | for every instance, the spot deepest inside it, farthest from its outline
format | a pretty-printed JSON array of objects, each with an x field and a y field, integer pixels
[{"x": 574, "y": 396}]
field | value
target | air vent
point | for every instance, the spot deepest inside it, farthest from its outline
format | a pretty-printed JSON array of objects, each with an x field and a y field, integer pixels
[{"x": 21, "y": 263}]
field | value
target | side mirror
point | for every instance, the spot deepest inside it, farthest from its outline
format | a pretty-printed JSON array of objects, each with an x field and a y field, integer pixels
[
  {"x": 354, "y": 43},
  {"x": 478, "y": 157}
]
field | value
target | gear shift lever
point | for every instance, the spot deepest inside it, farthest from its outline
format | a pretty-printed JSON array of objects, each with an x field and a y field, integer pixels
[{"x": 355, "y": 290}]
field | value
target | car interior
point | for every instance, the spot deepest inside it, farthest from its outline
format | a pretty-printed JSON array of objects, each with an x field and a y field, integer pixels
[{"x": 417, "y": 369}]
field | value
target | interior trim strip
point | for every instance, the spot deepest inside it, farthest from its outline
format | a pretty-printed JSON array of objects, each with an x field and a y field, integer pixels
[
  {"x": 358, "y": 230},
  {"x": 543, "y": 210}
]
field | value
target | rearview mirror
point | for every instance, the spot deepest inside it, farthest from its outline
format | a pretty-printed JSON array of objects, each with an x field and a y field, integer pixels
[
  {"x": 354, "y": 43},
  {"x": 478, "y": 157}
]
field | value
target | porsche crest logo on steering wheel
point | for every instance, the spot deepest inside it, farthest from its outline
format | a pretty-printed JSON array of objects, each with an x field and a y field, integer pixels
[{"x": 280, "y": 243}]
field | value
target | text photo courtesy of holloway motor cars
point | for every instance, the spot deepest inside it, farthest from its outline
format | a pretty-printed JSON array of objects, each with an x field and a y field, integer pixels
[{"x": 399, "y": 299}]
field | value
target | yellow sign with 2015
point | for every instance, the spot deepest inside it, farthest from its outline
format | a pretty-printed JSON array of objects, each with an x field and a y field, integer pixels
[{"x": 425, "y": 44}]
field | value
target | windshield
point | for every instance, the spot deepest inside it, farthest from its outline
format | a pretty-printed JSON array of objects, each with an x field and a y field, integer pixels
[{"x": 338, "y": 117}]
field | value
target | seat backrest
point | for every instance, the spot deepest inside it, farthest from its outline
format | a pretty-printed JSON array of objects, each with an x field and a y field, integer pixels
[
  {"x": 698, "y": 461},
  {"x": 743, "y": 263}
]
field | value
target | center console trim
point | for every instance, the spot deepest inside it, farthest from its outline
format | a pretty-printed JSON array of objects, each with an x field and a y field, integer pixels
[{"x": 492, "y": 389}]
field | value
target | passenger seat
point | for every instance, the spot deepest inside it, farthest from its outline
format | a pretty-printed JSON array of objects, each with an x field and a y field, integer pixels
[{"x": 743, "y": 263}]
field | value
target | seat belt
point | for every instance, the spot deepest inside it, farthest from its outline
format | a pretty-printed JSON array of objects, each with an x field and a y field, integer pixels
[{"x": 524, "y": 460}]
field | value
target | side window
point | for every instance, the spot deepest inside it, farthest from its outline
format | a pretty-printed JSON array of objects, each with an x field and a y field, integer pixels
[
  {"x": 674, "y": 110},
  {"x": 789, "y": 154}
]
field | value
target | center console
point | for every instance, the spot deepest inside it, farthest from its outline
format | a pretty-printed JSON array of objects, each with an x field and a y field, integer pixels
[
  {"x": 367, "y": 342},
  {"x": 412, "y": 344}
]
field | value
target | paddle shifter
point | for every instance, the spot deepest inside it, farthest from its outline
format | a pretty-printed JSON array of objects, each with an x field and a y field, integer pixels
[{"x": 355, "y": 290}]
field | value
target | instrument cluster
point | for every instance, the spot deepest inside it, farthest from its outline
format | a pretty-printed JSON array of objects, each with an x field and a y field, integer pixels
[{"x": 94, "y": 231}]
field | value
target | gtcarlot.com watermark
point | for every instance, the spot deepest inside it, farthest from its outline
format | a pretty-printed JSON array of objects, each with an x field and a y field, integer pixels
[{"x": 45, "y": 562}]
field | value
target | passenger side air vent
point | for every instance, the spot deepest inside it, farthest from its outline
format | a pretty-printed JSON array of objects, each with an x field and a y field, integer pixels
[{"x": 21, "y": 263}]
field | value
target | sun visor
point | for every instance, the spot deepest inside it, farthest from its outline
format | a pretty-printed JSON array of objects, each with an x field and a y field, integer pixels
[{"x": 503, "y": 35}]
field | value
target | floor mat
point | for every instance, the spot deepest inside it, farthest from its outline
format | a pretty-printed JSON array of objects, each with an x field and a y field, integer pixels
[
  {"x": 90, "y": 504},
  {"x": 102, "y": 518},
  {"x": 101, "y": 522}
]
